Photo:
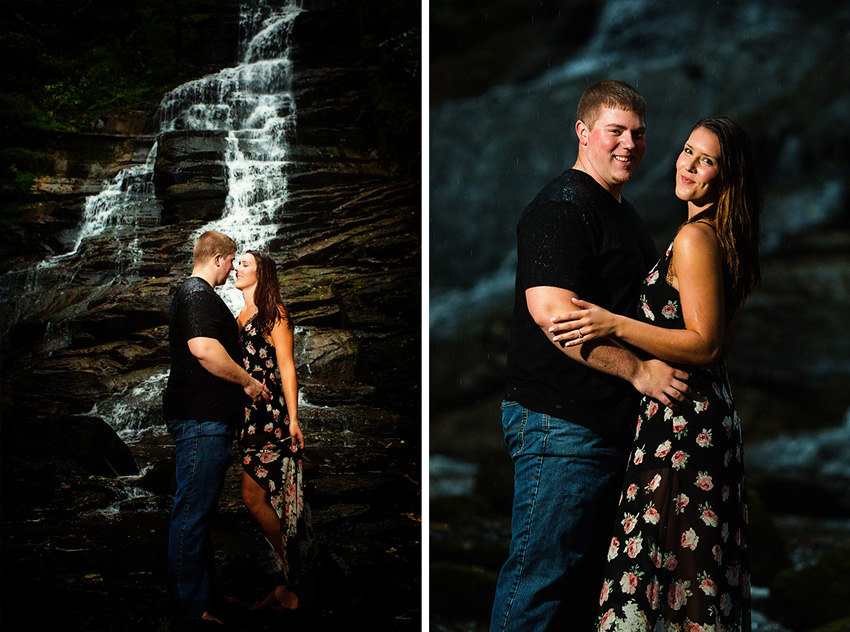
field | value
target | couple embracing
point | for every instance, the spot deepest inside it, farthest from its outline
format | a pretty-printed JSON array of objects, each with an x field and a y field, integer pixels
[
  {"x": 617, "y": 388},
  {"x": 232, "y": 377}
]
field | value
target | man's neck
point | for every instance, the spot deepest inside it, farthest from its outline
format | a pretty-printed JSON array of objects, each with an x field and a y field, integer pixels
[
  {"x": 205, "y": 274},
  {"x": 613, "y": 189}
]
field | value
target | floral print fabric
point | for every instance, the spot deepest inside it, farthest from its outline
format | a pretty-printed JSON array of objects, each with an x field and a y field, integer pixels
[
  {"x": 264, "y": 443},
  {"x": 678, "y": 556}
]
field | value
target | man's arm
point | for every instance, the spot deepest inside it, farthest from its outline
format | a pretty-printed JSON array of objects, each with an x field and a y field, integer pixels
[
  {"x": 698, "y": 263},
  {"x": 215, "y": 359},
  {"x": 649, "y": 377}
]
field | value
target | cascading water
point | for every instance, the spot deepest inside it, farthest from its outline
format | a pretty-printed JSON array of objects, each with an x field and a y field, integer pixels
[
  {"x": 135, "y": 408},
  {"x": 128, "y": 201},
  {"x": 253, "y": 102},
  {"x": 124, "y": 205}
]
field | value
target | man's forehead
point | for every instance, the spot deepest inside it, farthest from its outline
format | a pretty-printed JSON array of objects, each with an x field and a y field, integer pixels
[{"x": 616, "y": 117}]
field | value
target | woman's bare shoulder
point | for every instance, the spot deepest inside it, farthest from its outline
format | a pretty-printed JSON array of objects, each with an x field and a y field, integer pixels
[{"x": 696, "y": 238}]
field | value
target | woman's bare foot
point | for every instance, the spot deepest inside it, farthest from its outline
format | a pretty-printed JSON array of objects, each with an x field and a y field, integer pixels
[
  {"x": 280, "y": 599},
  {"x": 211, "y": 617}
]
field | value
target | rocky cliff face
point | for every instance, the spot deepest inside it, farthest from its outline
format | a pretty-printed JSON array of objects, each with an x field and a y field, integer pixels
[{"x": 95, "y": 326}]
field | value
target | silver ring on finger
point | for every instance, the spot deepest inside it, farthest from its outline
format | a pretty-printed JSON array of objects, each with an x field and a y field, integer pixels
[{"x": 580, "y": 335}]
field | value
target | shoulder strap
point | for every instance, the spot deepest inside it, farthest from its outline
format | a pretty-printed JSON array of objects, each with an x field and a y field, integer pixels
[{"x": 706, "y": 217}]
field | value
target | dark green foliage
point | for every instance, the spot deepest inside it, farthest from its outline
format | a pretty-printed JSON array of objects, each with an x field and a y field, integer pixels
[
  {"x": 18, "y": 169},
  {"x": 67, "y": 61}
]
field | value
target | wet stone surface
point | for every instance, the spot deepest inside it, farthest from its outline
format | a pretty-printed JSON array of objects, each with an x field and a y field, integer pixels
[{"x": 98, "y": 548}]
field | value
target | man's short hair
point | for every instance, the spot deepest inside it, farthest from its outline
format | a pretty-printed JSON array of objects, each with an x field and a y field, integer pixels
[
  {"x": 609, "y": 93},
  {"x": 210, "y": 244}
]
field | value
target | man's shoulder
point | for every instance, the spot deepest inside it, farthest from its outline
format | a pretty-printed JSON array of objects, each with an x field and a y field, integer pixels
[
  {"x": 193, "y": 293},
  {"x": 564, "y": 197},
  {"x": 570, "y": 190},
  {"x": 191, "y": 285}
]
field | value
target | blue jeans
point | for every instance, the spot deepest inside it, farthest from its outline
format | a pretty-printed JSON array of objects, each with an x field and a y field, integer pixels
[
  {"x": 202, "y": 451},
  {"x": 566, "y": 484}
]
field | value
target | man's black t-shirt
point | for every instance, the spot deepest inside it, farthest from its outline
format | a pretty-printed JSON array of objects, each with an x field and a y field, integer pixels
[
  {"x": 192, "y": 391},
  {"x": 574, "y": 235}
]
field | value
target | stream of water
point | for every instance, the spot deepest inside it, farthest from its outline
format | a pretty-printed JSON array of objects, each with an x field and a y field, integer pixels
[{"x": 253, "y": 102}]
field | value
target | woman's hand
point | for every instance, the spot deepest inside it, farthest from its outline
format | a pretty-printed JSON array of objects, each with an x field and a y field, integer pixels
[
  {"x": 297, "y": 436},
  {"x": 590, "y": 322}
]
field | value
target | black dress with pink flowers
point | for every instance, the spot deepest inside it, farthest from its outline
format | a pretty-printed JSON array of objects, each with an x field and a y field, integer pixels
[
  {"x": 678, "y": 556},
  {"x": 265, "y": 442}
]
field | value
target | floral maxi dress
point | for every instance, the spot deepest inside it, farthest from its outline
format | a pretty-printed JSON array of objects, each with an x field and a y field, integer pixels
[
  {"x": 264, "y": 443},
  {"x": 678, "y": 556}
]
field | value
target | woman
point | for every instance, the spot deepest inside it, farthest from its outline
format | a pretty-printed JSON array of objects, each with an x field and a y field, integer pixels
[
  {"x": 271, "y": 439},
  {"x": 678, "y": 557}
]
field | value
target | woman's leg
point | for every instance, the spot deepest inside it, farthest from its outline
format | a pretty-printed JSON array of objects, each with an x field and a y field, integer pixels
[{"x": 256, "y": 500}]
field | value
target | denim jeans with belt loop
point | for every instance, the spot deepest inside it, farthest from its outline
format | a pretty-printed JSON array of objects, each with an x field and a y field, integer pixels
[
  {"x": 567, "y": 481},
  {"x": 202, "y": 451}
]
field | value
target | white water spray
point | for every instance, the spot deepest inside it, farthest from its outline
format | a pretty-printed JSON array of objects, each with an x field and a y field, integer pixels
[{"x": 254, "y": 103}]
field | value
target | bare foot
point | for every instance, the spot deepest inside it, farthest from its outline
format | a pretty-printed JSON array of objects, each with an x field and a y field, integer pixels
[
  {"x": 280, "y": 599},
  {"x": 211, "y": 617}
]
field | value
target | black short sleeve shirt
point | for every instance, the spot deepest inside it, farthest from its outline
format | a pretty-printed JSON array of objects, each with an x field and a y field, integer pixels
[
  {"x": 193, "y": 392},
  {"x": 574, "y": 235}
]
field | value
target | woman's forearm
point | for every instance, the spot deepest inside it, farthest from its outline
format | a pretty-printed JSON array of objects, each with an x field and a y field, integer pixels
[{"x": 683, "y": 346}]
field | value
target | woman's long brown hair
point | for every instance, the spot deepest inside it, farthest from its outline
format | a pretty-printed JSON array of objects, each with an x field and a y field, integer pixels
[
  {"x": 736, "y": 218},
  {"x": 270, "y": 307}
]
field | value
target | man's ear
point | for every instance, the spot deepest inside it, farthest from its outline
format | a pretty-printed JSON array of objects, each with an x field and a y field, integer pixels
[{"x": 582, "y": 132}]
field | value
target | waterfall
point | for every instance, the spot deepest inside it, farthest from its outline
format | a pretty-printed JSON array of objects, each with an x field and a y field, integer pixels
[
  {"x": 253, "y": 102},
  {"x": 119, "y": 210},
  {"x": 127, "y": 201}
]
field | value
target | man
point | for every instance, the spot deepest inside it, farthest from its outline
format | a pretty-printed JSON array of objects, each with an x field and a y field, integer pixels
[
  {"x": 569, "y": 414},
  {"x": 203, "y": 402}
]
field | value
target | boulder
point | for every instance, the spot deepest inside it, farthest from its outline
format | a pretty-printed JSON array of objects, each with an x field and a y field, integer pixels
[
  {"x": 78, "y": 442},
  {"x": 326, "y": 355}
]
